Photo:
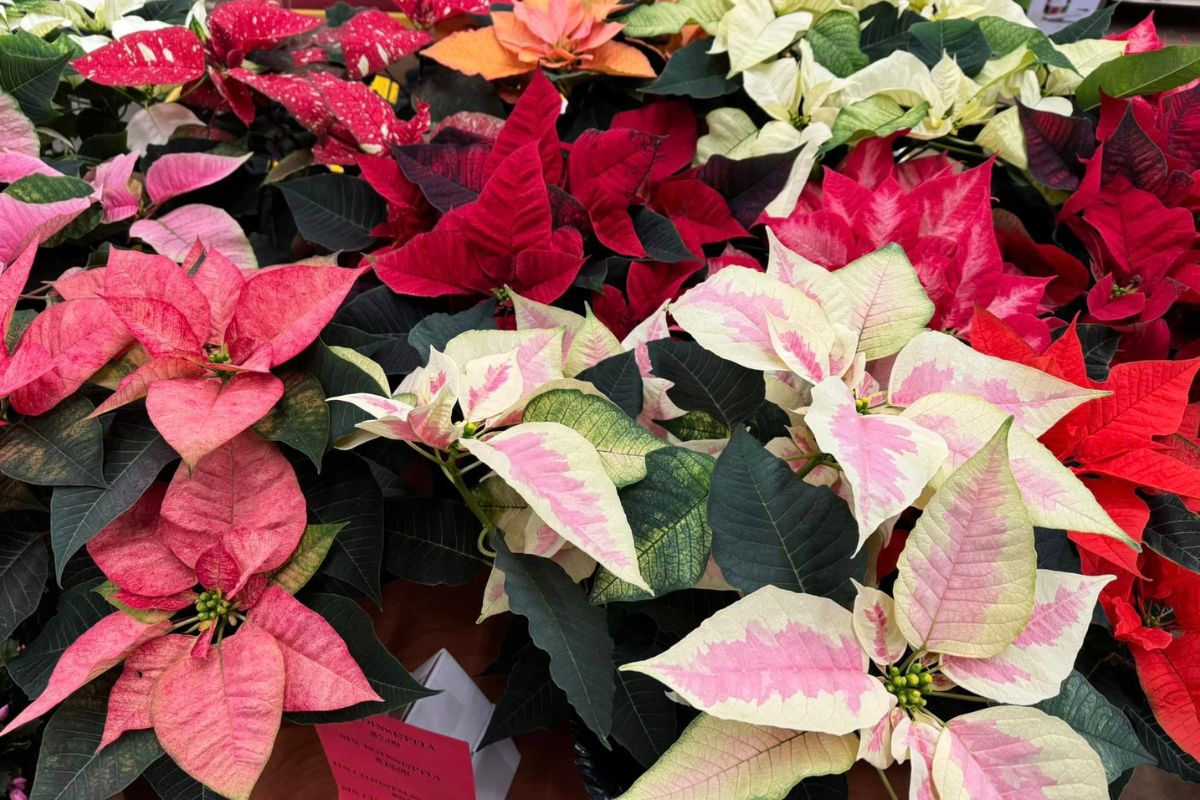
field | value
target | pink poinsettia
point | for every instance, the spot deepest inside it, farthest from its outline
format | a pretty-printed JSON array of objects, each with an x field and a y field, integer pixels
[
  {"x": 212, "y": 335},
  {"x": 209, "y": 542},
  {"x": 941, "y": 216}
]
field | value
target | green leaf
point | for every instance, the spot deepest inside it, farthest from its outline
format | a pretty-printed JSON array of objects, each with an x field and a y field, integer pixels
[
  {"x": 1004, "y": 36},
  {"x": 621, "y": 442},
  {"x": 666, "y": 17},
  {"x": 79, "y": 608},
  {"x": 172, "y": 783},
  {"x": 30, "y": 69},
  {"x": 692, "y": 72},
  {"x": 668, "y": 512},
  {"x": 63, "y": 448},
  {"x": 1173, "y": 531},
  {"x": 530, "y": 701},
  {"x": 387, "y": 676},
  {"x": 340, "y": 375},
  {"x": 1100, "y": 723},
  {"x": 876, "y": 116},
  {"x": 834, "y": 40},
  {"x": 24, "y": 567},
  {"x": 16, "y": 496},
  {"x": 437, "y": 329},
  {"x": 69, "y": 768},
  {"x": 572, "y": 631},
  {"x": 1092, "y": 26},
  {"x": 962, "y": 39},
  {"x": 383, "y": 312},
  {"x": 659, "y": 237},
  {"x": 620, "y": 380},
  {"x": 1160, "y": 745},
  {"x": 347, "y": 493},
  {"x": 706, "y": 382},
  {"x": 38, "y": 188},
  {"x": 644, "y": 719},
  {"x": 696, "y": 425},
  {"x": 301, "y": 417},
  {"x": 135, "y": 453},
  {"x": 308, "y": 557},
  {"x": 821, "y": 787},
  {"x": 431, "y": 542},
  {"x": 1099, "y": 343},
  {"x": 771, "y": 528},
  {"x": 1140, "y": 74},
  {"x": 334, "y": 211},
  {"x": 885, "y": 29}
]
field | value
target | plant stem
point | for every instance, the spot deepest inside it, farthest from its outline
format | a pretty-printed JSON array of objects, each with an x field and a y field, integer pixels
[
  {"x": 887, "y": 784},
  {"x": 452, "y": 473},
  {"x": 958, "y": 696},
  {"x": 813, "y": 463}
]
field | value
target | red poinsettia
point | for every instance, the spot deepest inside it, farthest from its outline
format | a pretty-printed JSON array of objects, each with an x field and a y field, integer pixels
[
  {"x": 1142, "y": 438},
  {"x": 209, "y": 541},
  {"x": 212, "y": 336},
  {"x": 614, "y": 186},
  {"x": 941, "y": 216},
  {"x": 345, "y": 115}
]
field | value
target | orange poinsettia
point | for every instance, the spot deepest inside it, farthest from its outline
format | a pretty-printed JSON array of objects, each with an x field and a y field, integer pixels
[{"x": 555, "y": 34}]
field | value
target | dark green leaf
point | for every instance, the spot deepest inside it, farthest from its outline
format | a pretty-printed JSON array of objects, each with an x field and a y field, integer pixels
[
  {"x": 692, "y": 72},
  {"x": 771, "y": 528},
  {"x": 437, "y": 329},
  {"x": 1163, "y": 747},
  {"x": 530, "y": 701},
  {"x": 885, "y": 29},
  {"x": 16, "y": 496},
  {"x": 24, "y": 567},
  {"x": 644, "y": 719},
  {"x": 382, "y": 311},
  {"x": 347, "y": 493},
  {"x": 1099, "y": 348},
  {"x": 30, "y": 69},
  {"x": 301, "y": 417},
  {"x": 572, "y": 631},
  {"x": 135, "y": 453},
  {"x": 1092, "y": 26},
  {"x": 79, "y": 608},
  {"x": 834, "y": 40},
  {"x": 821, "y": 787},
  {"x": 659, "y": 236},
  {"x": 962, "y": 39},
  {"x": 621, "y": 442},
  {"x": 620, "y": 381},
  {"x": 38, "y": 188},
  {"x": 696, "y": 425},
  {"x": 1140, "y": 74},
  {"x": 69, "y": 768},
  {"x": 706, "y": 382},
  {"x": 172, "y": 12},
  {"x": 1100, "y": 723},
  {"x": 387, "y": 676},
  {"x": 339, "y": 376},
  {"x": 172, "y": 783},
  {"x": 1055, "y": 551},
  {"x": 334, "y": 211},
  {"x": 1173, "y": 531},
  {"x": 61, "y": 448},
  {"x": 669, "y": 517},
  {"x": 432, "y": 542}
]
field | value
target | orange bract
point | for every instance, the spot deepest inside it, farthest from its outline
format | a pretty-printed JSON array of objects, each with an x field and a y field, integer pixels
[{"x": 555, "y": 34}]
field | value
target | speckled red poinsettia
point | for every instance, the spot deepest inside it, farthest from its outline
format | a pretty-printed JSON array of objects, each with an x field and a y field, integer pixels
[{"x": 204, "y": 548}]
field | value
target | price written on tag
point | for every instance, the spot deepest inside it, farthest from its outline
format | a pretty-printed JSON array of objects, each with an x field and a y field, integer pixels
[{"x": 381, "y": 758}]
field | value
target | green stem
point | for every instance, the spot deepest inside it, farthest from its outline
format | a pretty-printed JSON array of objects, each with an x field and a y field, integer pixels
[
  {"x": 454, "y": 475},
  {"x": 188, "y": 621},
  {"x": 970, "y": 698},
  {"x": 887, "y": 785},
  {"x": 813, "y": 463}
]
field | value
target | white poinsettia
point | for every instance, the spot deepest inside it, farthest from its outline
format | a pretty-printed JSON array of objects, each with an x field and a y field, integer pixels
[
  {"x": 751, "y": 33},
  {"x": 794, "y": 92}
]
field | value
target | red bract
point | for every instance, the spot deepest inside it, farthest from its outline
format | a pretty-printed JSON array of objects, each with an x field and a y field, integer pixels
[
  {"x": 942, "y": 219},
  {"x": 372, "y": 40},
  {"x": 504, "y": 238},
  {"x": 428, "y": 13},
  {"x": 169, "y": 55},
  {"x": 209, "y": 540},
  {"x": 213, "y": 336},
  {"x": 239, "y": 27}
]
